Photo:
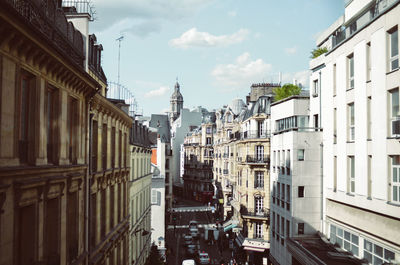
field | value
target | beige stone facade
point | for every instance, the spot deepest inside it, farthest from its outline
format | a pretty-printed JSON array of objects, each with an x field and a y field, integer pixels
[
  {"x": 139, "y": 196},
  {"x": 198, "y": 167},
  {"x": 63, "y": 145}
]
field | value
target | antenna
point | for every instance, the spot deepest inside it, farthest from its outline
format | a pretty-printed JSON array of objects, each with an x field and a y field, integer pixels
[{"x": 119, "y": 60}]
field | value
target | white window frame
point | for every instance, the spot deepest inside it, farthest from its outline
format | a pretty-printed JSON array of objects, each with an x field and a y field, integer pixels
[
  {"x": 395, "y": 179},
  {"x": 315, "y": 88},
  {"x": 393, "y": 58},
  {"x": 350, "y": 71},
  {"x": 259, "y": 153},
  {"x": 259, "y": 230},
  {"x": 351, "y": 121},
  {"x": 259, "y": 179},
  {"x": 351, "y": 174},
  {"x": 300, "y": 154},
  {"x": 259, "y": 204},
  {"x": 394, "y": 107},
  {"x": 346, "y": 239},
  {"x": 372, "y": 250}
]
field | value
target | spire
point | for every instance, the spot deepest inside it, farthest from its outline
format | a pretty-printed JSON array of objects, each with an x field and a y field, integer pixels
[{"x": 177, "y": 86}]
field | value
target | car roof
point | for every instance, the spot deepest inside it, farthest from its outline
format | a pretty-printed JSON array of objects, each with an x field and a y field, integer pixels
[{"x": 188, "y": 262}]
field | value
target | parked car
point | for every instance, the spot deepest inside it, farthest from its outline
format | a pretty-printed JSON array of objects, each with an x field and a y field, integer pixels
[
  {"x": 204, "y": 258},
  {"x": 187, "y": 239},
  {"x": 194, "y": 229},
  {"x": 192, "y": 249},
  {"x": 188, "y": 262}
]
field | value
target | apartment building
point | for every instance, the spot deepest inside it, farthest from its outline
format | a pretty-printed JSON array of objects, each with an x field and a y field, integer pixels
[
  {"x": 241, "y": 169},
  {"x": 139, "y": 193},
  {"x": 198, "y": 161},
  {"x": 355, "y": 99},
  {"x": 63, "y": 144},
  {"x": 296, "y": 175}
]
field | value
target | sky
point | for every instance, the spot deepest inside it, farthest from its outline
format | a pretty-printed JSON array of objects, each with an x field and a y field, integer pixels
[{"x": 215, "y": 48}]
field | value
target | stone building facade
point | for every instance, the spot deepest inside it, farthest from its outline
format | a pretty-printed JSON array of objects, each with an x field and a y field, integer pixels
[
  {"x": 139, "y": 196},
  {"x": 63, "y": 147}
]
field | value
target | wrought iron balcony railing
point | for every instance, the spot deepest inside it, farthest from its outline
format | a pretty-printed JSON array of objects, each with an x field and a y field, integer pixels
[
  {"x": 257, "y": 159},
  {"x": 257, "y": 212}
]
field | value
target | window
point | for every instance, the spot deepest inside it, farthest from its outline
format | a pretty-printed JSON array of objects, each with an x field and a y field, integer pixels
[
  {"x": 315, "y": 88},
  {"x": 50, "y": 123},
  {"x": 345, "y": 239},
  {"x": 369, "y": 61},
  {"x": 259, "y": 153},
  {"x": 351, "y": 174},
  {"x": 167, "y": 163},
  {"x": 93, "y": 218},
  {"x": 154, "y": 197},
  {"x": 300, "y": 154},
  {"x": 273, "y": 224},
  {"x": 27, "y": 242},
  {"x": 350, "y": 71},
  {"x": 208, "y": 140},
  {"x": 288, "y": 197},
  {"x": 369, "y": 176},
  {"x": 259, "y": 230},
  {"x": 287, "y": 228},
  {"x": 72, "y": 226},
  {"x": 113, "y": 140},
  {"x": 52, "y": 234},
  {"x": 288, "y": 162},
  {"x": 334, "y": 125},
  {"x": 277, "y": 226},
  {"x": 396, "y": 178},
  {"x": 300, "y": 191},
  {"x": 103, "y": 214},
  {"x": 334, "y": 80},
  {"x": 273, "y": 191},
  {"x": 259, "y": 204},
  {"x": 208, "y": 130},
  {"x": 394, "y": 49},
  {"x": 95, "y": 135},
  {"x": 369, "y": 120},
  {"x": 316, "y": 123},
  {"x": 259, "y": 179},
  {"x": 278, "y": 195},
  {"x": 274, "y": 162},
  {"x": 72, "y": 128},
  {"x": 394, "y": 111},
  {"x": 350, "y": 122},
  {"x": 283, "y": 195},
  {"x": 334, "y": 173},
  {"x": 376, "y": 254},
  {"x": 300, "y": 228},
  {"x": 261, "y": 129},
  {"x": 26, "y": 100},
  {"x": 104, "y": 146}
]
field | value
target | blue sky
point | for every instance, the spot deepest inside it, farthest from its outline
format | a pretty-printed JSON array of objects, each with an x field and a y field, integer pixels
[{"x": 216, "y": 48}]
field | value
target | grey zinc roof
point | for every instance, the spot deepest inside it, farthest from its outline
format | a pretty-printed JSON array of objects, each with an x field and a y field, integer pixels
[{"x": 161, "y": 123}]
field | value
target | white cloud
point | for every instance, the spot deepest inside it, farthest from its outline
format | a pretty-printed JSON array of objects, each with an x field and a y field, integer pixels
[
  {"x": 291, "y": 50},
  {"x": 146, "y": 16},
  {"x": 157, "y": 92},
  {"x": 194, "y": 38},
  {"x": 232, "y": 13},
  {"x": 302, "y": 77},
  {"x": 242, "y": 73}
]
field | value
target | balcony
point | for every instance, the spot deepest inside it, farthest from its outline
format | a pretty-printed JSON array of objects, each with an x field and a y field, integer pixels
[
  {"x": 255, "y": 135},
  {"x": 254, "y": 213},
  {"x": 49, "y": 21},
  {"x": 257, "y": 159}
]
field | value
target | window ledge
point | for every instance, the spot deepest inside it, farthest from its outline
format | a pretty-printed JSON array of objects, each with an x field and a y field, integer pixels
[
  {"x": 393, "y": 137},
  {"x": 348, "y": 89},
  {"x": 350, "y": 194},
  {"x": 393, "y": 204},
  {"x": 392, "y": 71},
  {"x": 349, "y": 142},
  {"x": 368, "y": 81}
]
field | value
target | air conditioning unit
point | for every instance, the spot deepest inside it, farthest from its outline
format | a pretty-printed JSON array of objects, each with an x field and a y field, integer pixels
[{"x": 396, "y": 127}]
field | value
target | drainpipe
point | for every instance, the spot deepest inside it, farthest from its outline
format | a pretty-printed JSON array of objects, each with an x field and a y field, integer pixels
[
  {"x": 87, "y": 191},
  {"x": 321, "y": 155}
]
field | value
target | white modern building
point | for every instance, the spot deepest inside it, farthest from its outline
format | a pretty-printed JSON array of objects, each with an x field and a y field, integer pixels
[
  {"x": 296, "y": 175},
  {"x": 355, "y": 99},
  {"x": 158, "y": 210}
]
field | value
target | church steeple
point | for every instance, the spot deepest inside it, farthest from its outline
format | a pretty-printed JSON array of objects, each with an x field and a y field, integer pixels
[{"x": 176, "y": 102}]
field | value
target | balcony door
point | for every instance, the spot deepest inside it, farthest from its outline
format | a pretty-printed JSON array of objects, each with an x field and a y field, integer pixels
[
  {"x": 259, "y": 153},
  {"x": 258, "y": 205}
]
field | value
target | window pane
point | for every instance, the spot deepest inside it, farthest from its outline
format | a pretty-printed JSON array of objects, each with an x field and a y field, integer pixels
[
  {"x": 395, "y": 102},
  {"x": 378, "y": 250},
  {"x": 395, "y": 64},
  {"x": 354, "y": 239},
  {"x": 394, "y": 42},
  {"x": 377, "y": 261},
  {"x": 395, "y": 195},
  {"x": 340, "y": 232},
  {"x": 347, "y": 235},
  {"x": 368, "y": 245},
  {"x": 368, "y": 256},
  {"x": 346, "y": 245},
  {"x": 354, "y": 250},
  {"x": 389, "y": 255},
  {"x": 394, "y": 174}
]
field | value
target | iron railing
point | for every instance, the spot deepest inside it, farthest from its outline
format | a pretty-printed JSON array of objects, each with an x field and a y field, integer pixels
[
  {"x": 257, "y": 159},
  {"x": 257, "y": 212},
  {"x": 254, "y": 134}
]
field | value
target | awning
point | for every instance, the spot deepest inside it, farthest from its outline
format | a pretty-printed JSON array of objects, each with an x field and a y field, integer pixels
[
  {"x": 239, "y": 240},
  {"x": 254, "y": 249},
  {"x": 255, "y": 244},
  {"x": 229, "y": 227}
]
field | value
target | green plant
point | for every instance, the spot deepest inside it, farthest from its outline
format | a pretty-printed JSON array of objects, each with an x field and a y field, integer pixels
[
  {"x": 317, "y": 52},
  {"x": 285, "y": 91}
]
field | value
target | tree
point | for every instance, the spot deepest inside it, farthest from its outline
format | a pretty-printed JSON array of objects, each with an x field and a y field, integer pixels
[
  {"x": 317, "y": 52},
  {"x": 285, "y": 91},
  {"x": 154, "y": 257}
]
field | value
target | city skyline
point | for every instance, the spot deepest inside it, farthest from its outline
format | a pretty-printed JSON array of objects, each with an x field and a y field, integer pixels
[{"x": 211, "y": 47}]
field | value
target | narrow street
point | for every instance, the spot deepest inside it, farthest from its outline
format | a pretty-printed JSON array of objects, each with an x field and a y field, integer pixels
[{"x": 175, "y": 242}]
